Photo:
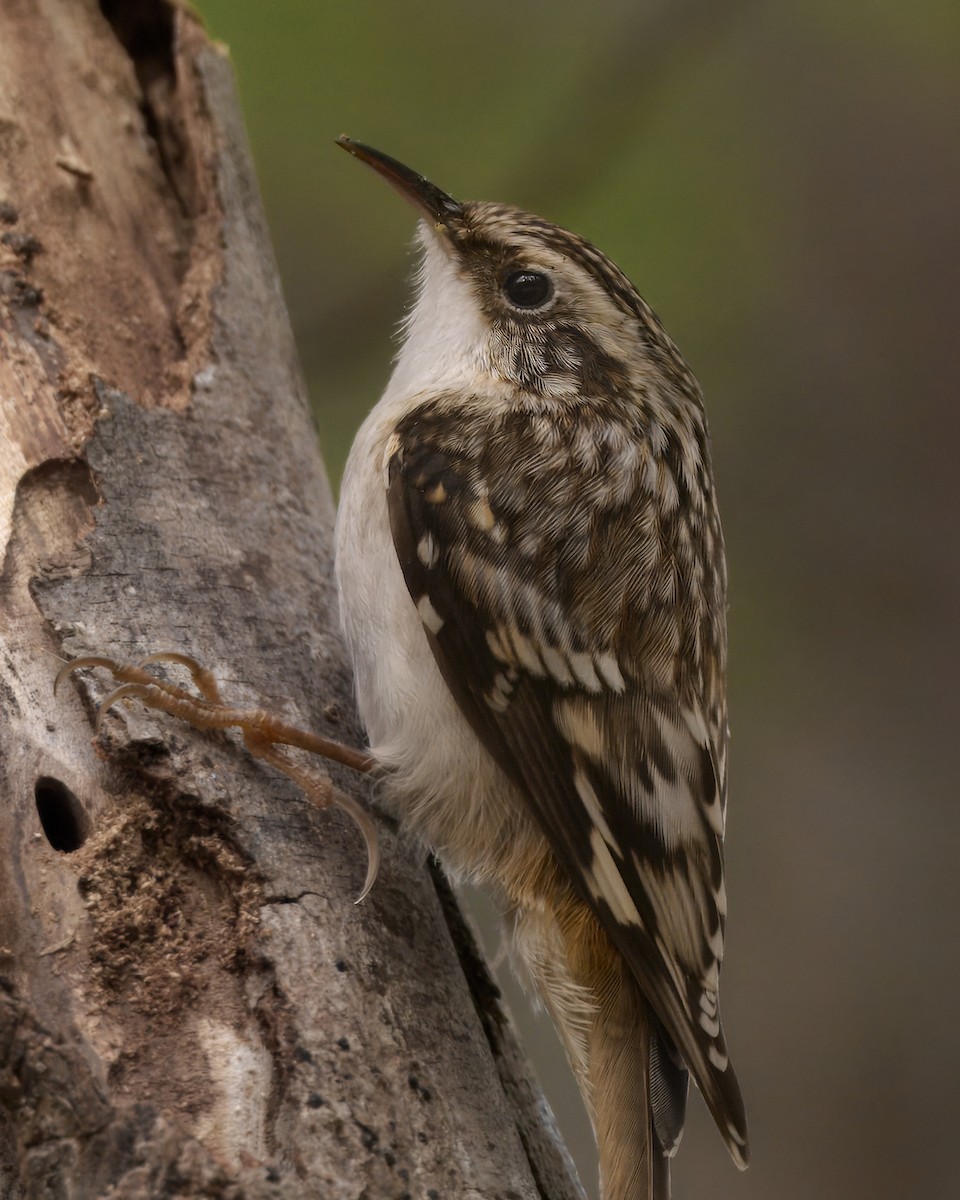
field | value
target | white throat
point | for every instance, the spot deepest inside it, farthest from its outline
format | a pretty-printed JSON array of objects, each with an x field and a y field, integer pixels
[{"x": 445, "y": 332}]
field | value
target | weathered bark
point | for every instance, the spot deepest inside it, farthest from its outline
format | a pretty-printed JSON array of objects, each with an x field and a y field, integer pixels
[{"x": 190, "y": 1002}]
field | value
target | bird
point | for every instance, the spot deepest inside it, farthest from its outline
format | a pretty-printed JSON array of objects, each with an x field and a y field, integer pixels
[{"x": 532, "y": 586}]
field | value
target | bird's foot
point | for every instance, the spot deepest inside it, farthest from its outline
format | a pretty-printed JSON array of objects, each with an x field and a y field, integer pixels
[{"x": 264, "y": 733}]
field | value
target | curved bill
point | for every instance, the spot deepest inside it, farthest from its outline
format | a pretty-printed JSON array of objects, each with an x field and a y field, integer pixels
[{"x": 433, "y": 204}]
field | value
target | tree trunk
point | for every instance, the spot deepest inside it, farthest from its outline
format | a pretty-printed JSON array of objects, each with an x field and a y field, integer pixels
[{"x": 190, "y": 1002}]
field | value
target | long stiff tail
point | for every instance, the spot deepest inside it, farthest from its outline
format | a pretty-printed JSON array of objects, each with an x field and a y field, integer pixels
[
  {"x": 633, "y": 1085},
  {"x": 638, "y": 1094}
]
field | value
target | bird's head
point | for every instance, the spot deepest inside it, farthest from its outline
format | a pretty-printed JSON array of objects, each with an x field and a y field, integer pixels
[{"x": 512, "y": 299}]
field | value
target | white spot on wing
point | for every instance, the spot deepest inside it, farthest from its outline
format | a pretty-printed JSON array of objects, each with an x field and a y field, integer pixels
[
  {"x": 429, "y": 615},
  {"x": 499, "y": 696},
  {"x": 480, "y": 515},
  {"x": 694, "y": 721},
  {"x": 720, "y": 1060},
  {"x": 427, "y": 550},
  {"x": 677, "y": 807},
  {"x": 679, "y": 983},
  {"x": 713, "y": 811},
  {"x": 606, "y": 883},
  {"x": 392, "y": 447},
  {"x": 709, "y": 1025},
  {"x": 526, "y": 654},
  {"x": 583, "y": 668},
  {"x": 496, "y": 644},
  {"x": 592, "y": 804},
  {"x": 735, "y": 1141},
  {"x": 578, "y": 723},
  {"x": 556, "y": 664},
  {"x": 670, "y": 807},
  {"x": 609, "y": 668},
  {"x": 679, "y": 917}
]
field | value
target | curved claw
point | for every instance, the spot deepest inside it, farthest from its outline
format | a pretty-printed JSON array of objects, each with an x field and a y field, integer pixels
[
  {"x": 366, "y": 826},
  {"x": 125, "y": 689},
  {"x": 89, "y": 660},
  {"x": 174, "y": 656},
  {"x": 203, "y": 678}
]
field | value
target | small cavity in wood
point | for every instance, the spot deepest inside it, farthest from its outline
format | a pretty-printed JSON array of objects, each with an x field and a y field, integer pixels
[{"x": 170, "y": 904}]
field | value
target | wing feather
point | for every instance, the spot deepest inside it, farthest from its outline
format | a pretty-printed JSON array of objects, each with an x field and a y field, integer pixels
[{"x": 571, "y": 649}]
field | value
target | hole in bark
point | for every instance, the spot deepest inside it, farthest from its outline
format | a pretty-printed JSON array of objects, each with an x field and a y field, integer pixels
[
  {"x": 145, "y": 31},
  {"x": 61, "y": 814}
]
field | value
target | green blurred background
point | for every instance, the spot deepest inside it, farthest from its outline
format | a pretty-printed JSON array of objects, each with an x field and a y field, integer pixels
[{"x": 782, "y": 180}]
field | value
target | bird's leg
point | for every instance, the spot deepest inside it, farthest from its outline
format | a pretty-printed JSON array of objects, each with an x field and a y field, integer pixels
[{"x": 264, "y": 733}]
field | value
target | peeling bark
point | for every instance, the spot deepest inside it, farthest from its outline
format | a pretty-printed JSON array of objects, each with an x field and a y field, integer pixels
[{"x": 190, "y": 1002}]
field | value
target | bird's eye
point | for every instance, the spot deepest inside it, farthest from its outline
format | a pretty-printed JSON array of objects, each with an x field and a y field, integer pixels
[{"x": 528, "y": 289}]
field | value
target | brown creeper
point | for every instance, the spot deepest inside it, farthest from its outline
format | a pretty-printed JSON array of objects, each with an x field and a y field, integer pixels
[{"x": 532, "y": 587}]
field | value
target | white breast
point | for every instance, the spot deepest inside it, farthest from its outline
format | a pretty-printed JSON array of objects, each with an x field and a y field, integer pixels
[
  {"x": 394, "y": 666},
  {"x": 438, "y": 775}
]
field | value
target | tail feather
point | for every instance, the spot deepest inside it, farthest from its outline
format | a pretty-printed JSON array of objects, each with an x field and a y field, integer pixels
[
  {"x": 669, "y": 1083},
  {"x": 632, "y": 1082},
  {"x": 638, "y": 1104}
]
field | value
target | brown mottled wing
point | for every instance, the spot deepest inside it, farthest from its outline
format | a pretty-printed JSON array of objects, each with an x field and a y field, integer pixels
[{"x": 572, "y": 577}]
